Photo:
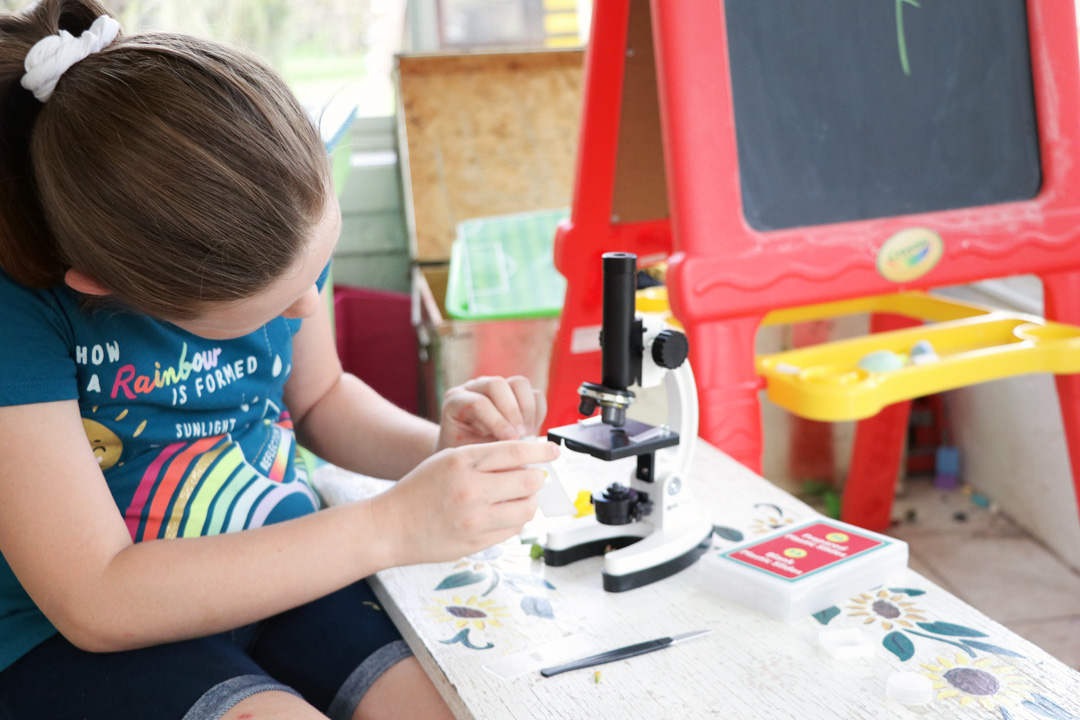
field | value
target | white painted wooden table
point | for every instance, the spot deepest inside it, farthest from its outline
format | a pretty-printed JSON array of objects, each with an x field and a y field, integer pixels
[{"x": 463, "y": 620}]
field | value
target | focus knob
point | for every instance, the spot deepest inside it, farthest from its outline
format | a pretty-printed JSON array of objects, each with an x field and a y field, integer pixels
[{"x": 670, "y": 348}]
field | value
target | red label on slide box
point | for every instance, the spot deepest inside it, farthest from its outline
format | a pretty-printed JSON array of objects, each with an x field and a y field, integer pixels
[{"x": 805, "y": 550}]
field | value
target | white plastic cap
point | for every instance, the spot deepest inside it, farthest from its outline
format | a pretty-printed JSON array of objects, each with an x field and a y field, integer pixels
[
  {"x": 910, "y": 688},
  {"x": 845, "y": 644}
]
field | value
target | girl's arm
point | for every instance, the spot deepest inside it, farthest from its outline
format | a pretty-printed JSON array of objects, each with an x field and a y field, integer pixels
[
  {"x": 343, "y": 421},
  {"x": 340, "y": 418},
  {"x": 67, "y": 543}
]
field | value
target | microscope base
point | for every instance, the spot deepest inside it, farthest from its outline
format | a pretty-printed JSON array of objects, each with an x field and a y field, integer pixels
[
  {"x": 629, "y": 581},
  {"x": 641, "y": 553},
  {"x": 558, "y": 558}
]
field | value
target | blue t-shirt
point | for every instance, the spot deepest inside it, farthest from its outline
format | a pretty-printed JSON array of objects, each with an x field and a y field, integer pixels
[{"x": 191, "y": 434}]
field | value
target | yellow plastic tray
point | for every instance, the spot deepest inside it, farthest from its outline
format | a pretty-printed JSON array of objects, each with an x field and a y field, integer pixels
[{"x": 974, "y": 344}]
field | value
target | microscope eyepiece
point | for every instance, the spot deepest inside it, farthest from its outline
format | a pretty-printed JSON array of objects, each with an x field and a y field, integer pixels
[
  {"x": 616, "y": 345},
  {"x": 620, "y": 263}
]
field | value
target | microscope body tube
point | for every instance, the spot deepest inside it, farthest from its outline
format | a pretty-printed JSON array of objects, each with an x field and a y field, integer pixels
[{"x": 620, "y": 284}]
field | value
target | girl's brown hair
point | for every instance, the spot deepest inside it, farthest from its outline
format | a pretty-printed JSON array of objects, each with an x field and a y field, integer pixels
[{"x": 174, "y": 171}]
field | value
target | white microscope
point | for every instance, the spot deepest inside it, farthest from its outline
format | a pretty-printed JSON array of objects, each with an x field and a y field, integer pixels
[{"x": 653, "y": 523}]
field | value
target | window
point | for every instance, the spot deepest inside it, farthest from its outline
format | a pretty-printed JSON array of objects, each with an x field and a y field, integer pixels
[
  {"x": 325, "y": 49},
  {"x": 343, "y": 50},
  {"x": 462, "y": 25},
  {"x": 485, "y": 23}
]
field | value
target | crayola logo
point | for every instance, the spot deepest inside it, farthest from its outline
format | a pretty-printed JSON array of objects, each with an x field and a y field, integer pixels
[{"x": 909, "y": 254}]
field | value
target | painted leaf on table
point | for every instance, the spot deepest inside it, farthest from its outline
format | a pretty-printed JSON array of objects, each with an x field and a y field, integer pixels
[
  {"x": 1042, "y": 705},
  {"x": 494, "y": 582},
  {"x": 939, "y": 638},
  {"x": 899, "y": 645},
  {"x": 910, "y": 592},
  {"x": 779, "y": 511},
  {"x": 987, "y": 647},
  {"x": 727, "y": 533},
  {"x": 944, "y": 628},
  {"x": 460, "y": 579},
  {"x": 537, "y": 607},
  {"x": 826, "y": 615},
  {"x": 463, "y": 638}
]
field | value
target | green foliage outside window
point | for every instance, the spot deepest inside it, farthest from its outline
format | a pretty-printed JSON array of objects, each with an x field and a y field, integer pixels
[{"x": 320, "y": 46}]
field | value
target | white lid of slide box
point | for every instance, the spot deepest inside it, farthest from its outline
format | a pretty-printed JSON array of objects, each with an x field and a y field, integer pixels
[{"x": 803, "y": 569}]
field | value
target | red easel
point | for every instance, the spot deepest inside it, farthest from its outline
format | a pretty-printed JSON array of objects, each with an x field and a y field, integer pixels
[{"x": 662, "y": 71}]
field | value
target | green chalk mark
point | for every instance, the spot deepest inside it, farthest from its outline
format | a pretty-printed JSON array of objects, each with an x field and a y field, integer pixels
[{"x": 900, "y": 39}]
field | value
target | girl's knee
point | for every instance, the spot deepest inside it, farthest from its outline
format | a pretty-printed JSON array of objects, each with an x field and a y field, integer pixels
[
  {"x": 404, "y": 692},
  {"x": 272, "y": 705}
]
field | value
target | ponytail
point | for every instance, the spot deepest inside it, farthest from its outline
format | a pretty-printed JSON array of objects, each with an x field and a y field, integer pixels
[
  {"x": 175, "y": 171},
  {"x": 27, "y": 248}
]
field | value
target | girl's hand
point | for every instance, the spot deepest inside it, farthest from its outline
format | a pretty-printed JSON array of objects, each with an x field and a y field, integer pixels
[
  {"x": 461, "y": 500},
  {"x": 490, "y": 408}
]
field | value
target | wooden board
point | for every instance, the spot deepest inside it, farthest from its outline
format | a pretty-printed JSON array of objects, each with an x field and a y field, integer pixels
[
  {"x": 640, "y": 192},
  {"x": 485, "y": 134}
]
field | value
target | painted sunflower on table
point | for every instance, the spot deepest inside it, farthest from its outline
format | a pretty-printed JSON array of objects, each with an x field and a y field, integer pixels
[
  {"x": 977, "y": 681},
  {"x": 479, "y": 613},
  {"x": 890, "y": 609}
]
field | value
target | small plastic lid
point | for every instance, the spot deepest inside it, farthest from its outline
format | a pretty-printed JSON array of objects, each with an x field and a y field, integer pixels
[
  {"x": 910, "y": 688},
  {"x": 845, "y": 644}
]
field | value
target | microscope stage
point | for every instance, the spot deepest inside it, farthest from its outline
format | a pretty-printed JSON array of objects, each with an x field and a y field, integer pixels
[{"x": 610, "y": 443}]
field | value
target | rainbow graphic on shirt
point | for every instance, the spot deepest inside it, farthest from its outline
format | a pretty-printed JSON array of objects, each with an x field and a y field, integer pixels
[{"x": 208, "y": 486}]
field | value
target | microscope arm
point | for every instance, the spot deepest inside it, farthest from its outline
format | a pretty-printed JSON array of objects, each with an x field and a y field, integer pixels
[{"x": 683, "y": 412}]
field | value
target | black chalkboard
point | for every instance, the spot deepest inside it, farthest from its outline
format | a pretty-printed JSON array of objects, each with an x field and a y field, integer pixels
[{"x": 854, "y": 109}]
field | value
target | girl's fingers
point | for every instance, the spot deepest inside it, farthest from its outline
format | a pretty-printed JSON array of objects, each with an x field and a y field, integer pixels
[
  {"x": 540, "y": 403},
  {"x": 511, "y": 515},
  {"x": 525, "y": 398},
  {"x": 511, "y": 485},
  {"x": 494, "y": 457},
  {"x": 499, "y": 391},
  {"x": 479, "y": 413}
]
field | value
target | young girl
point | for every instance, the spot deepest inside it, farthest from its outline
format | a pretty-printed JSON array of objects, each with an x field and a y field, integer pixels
[{"x": 166, "y": 221}]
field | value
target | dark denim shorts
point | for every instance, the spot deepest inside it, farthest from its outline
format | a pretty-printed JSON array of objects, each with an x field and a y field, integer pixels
[{"x": 329, "y": 652}]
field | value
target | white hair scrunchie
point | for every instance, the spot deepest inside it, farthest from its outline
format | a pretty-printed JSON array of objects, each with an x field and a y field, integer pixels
[{"x": 52, "y": 56}]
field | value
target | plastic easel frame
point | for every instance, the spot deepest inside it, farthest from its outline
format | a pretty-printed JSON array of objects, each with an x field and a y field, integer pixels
[{"x": 657, "y": 85}]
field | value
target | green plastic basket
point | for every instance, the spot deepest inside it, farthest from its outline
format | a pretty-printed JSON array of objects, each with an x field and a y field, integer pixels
[{"x": 503, "y": 267}]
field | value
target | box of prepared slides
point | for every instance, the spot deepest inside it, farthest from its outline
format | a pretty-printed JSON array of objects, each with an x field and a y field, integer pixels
[{"x": 803, "y": 569}]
